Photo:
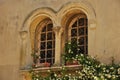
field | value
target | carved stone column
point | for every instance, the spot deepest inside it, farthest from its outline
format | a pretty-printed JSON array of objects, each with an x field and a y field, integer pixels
[
  {"x": 58, "y": 31},
  {"x": 23, "y": 35}
]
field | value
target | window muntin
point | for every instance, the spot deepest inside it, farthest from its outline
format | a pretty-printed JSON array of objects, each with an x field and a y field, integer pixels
[
  {"x": 46, "y": 42},
  {"x": 78, "y": 32}
]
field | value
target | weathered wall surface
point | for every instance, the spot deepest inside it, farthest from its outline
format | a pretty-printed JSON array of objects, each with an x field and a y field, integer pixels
[
  {"x": 108, "y": 30},
  {"x": 13, "y": 13}
]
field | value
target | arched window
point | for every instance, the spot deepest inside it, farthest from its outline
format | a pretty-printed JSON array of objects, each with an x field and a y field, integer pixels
[
  {"x": 78, "y": 32},
  {"x": 45, "y": 41}
]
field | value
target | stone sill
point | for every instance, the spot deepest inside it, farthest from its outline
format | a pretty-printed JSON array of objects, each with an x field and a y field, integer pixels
[
  {"x": 57, "y": 68},
  {"x": 44, "y": 70}
]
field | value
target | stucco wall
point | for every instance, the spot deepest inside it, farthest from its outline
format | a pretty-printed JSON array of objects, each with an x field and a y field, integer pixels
[{"x": 13, "y": 14}]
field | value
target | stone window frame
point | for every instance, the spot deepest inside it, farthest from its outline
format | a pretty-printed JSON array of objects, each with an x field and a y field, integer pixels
[
  {"x": 27, "y": 38},
  {"x": 75, "y": 18},
  {"x": 37, "y": 42}
]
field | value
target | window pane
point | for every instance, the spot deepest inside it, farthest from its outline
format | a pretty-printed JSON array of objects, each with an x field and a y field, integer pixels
[
  {"x": 49, "y": 36},
  {"x": 81, "y": 31},
  {"x": 49, "y": 60},
  {"x": 42, "y": 54},
  {"x": 43, "y": 37},
  {"x": 53, "y": 53},
  {"x": 42, "y": 45},
  {"x": 86, "y": 22},
  {"x": 86, "y": 40},
  {"x": 44, "y": 29},
  {"x": 49, "y": 54},
  {"x": 49, "y": 45},
  {"x": 49, "y": 27},
  {"x": 75, "y": 24},
  {"x": 81, "y": 49},
  {"x": 74, "y": 32},
  {"x": 42, "y": 60},
  {"x": 81, "y": 22},
  {"x": 73, "y": 40},
  {"x": 81, "y": 40}
]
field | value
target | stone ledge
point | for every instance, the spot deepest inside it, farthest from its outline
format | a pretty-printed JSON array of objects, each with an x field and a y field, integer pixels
[
  {"x": 44, "y": 70},
  {"x": 57, "y": 68}
]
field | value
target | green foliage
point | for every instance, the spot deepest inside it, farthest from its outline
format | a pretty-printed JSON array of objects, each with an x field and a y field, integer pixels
[
  {"x": 35, "y": 56},
  {"x": 91, "y": 68},
  {"x": 70, "y": 51}
]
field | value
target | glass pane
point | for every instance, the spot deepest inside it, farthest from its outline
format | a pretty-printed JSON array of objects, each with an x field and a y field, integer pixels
[
  {"x": 49, "y": 36},
  {"x": 42, "y": 45},
  {"x": 75, "y": 24},
  {"x": 81, "y": 49},
  {"x": 74, "y": 32},
  {"x": 81, "y": 22},
  {"x": 44, "y": 29},
  {"x": 49, "y": 45},
  {"x": 49, "y": 60},
  {"x": 73, "y": 40},
  {"x": 81, "y": 31},
  {"x": 49, "y": 54},
  {"x": 42, "y": 60},
  {"x": 87, "y": 40},
  {"x": 86, "y": 22},
  {"x": 53, "y": 53},
  {"x": 81, "y": 40},
  {"x": 49, "y": 27},
  {"x": 43, "y": 37},
  {"x": 42, "y": 54}
]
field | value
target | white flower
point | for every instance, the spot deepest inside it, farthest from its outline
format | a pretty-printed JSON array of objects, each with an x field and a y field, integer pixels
[
  {"x": 112, "y": 68},
  {"x": 37, "y": 79},
  {"x": 108, "y": 75},
  {"x": 107, "y": 70},
  {"x": 96, "y": 78},
  {"x": 55, "y": 75},
  {"x": 118, "y": 70},
  {"x": 82, "y": 55}
]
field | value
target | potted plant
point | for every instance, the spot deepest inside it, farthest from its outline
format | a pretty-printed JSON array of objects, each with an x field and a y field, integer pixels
[
  {"x": 46, "y": 64},
  {"x": 70, "y": 53}
]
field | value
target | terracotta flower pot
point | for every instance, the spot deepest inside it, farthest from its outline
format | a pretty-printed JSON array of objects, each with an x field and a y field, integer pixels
[
  {"x": 46, "y": 64},
  {"x": 73, "y": 62}
]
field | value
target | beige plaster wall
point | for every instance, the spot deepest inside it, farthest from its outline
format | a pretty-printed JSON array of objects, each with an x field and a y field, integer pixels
[
  {"x": 108, "y": 30},
  {"x": 13, "y": 14}
]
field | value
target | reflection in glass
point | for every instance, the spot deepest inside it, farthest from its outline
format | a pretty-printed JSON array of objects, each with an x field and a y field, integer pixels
[
  {"x": 81, "y": 22},
  {"x": 81, "y": 31},
  {"x": 74, "y": 32},
  {"x": 43, "y": 37}
]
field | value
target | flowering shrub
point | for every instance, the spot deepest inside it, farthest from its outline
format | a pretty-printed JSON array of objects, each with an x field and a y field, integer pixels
[
  {"x": 94, "y": 70},
  {"x": 70, "y": 51},
  {"x": 91, "y": 70}
]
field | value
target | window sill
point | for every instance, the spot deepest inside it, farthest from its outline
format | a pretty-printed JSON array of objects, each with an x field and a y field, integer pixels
[
  {"x": 69, "y": 67},
  {"x": 44, "y": 70}
]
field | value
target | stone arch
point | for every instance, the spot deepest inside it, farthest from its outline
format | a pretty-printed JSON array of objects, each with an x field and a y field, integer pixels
[
  {"x": 72, "y": 8},
  {"x": 28, "y": 30},
  {"x": 40, "y": 12}
]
